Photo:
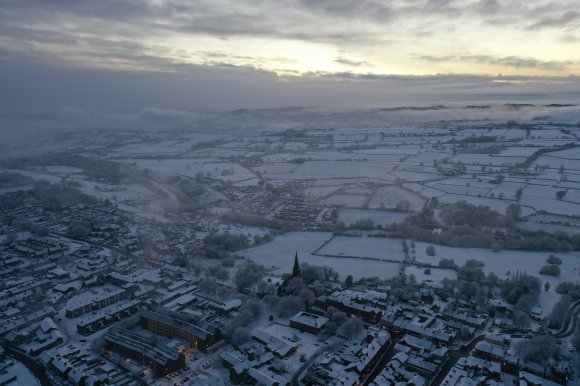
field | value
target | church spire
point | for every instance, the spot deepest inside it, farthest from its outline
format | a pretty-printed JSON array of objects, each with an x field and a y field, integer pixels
[{"x": 296, "y": 269}]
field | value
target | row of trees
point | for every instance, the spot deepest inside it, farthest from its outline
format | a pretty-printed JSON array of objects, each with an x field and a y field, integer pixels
[
  {"x": 463, "y": 213},
  {"x": 559, "y": 313},
  {"x": 227, "y": 241},
  {"x": 464, "y": 230},
  {"x": 569, "y": 288},
  {"x": 542, "y": 349},
  {"x": 53, "y": 197}
]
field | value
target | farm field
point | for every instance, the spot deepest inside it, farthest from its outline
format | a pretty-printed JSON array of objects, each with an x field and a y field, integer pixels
[
  {"x": 278, "y": 256},
  {"x": 363, "y": 247},
  {"x": 309, "y": 183},
  {"x": 506, "y": 261}
]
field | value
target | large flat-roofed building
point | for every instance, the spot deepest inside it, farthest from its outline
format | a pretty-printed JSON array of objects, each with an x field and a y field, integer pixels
[
  {"x": 107, "y": 316},
  {"x": 368, "y": 305},
  {"x": 305, "y": 321},
  {"x": 93, "y": 300},
  {"x": 162, "y": 359},
  {"x": 176, "y": 324},
  {"x": 509, "y": 362}
]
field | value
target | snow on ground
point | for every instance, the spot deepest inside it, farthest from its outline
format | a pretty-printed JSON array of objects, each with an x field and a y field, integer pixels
[
  {"x": 466, "y": 188},
  {"x": 538, "y": 226},
  {"x": 117, "y": 193},
  {"x": 548, "y": 133},
  {"x": 554, "y": 162},
  {"x": 278, "y": 255},
  {"x": 507, "y": 189},
  {"x": 548, "y": 300},
  {"x": 236, "y": 229},
  {"x": 351, "y": 189},
  {"x": 463, "y": 181},
  {"x": 321, "y": 191},
  {"x": 367, "y": 247},
  {"x": 436, "y": 276},
  {"x": 412, "y": 176},
  {"x": 159, "y": 148},
  {"x": 502, "y": 262},
  {"x": 16, "y": 189},
  {"x": 545, "y": 142},
  {"x": 425, "y": 191},
  {"x": 24, "y": 376},
  {"x": 486, "y": 159},
  {"x": 307, "y": 342},
  {"x": 59, "y": 169},
  {"x": 279, "y": 157},
  {"x": 573, "y": 153},
  {"x": 150, "y": 213},
  {"x": 389, "y": 151},
  {"x": 518, "y": 151},
  {"x": 348, "y": 200},
  {"x": 390, "y": 196},
  {"x": 333, "y": 169},
  {"x": 572, "y": 195},
  {"x": 275, "y": 168},
  {"x": 336, "y": 182},
  {"x": 494, "y": 203},
  {"x": 350, "y": 216},
  {"x": 544, "y": 198},
  {"x": 227, "y": 171},
  {"x": 427, "y": 158},
  {"x": 551, "y": 223}
]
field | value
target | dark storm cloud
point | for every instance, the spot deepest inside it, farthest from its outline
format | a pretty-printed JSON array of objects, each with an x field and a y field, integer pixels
[
  {"x": 309, "y": 20},
  {"x": 265, "y": 18},
  {"x": 124, "y": 10},
  {"x": 564, "y": 20},
  {"x": 488, "y": 7},
  {"x": 348, "y": 9},
  {"x": 34, "y": 23}
]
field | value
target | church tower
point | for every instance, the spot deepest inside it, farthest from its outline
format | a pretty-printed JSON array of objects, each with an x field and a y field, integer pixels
[{"x": 296, "y": 269}]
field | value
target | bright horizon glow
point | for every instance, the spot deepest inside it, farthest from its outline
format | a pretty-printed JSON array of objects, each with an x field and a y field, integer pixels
[
  {"x": 124, "y": 56},
  {"x": 414, "y": 37}
]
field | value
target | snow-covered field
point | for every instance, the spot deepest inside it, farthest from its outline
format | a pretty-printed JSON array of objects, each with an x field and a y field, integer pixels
[
  {"x": 506, "y": 261},
  {"x": 340, "y": 169},
  {"x": 544, "y": 198},
  {"x": 119, "y": 193},
  {"x": 436, "y": 275},
  {"x": 227, "y": 171},
  {"x": 487, "y": 159},
  {"x": 364, "y": 247},
  {"x": 24, "y": 376},
  {"x": 551, "y": 223},
  {"x": 159, "y": 148},
  {"x": 495, "y": 204},
  {"x": 348, "y": 200},
  {"x": 275, "y": 168},
  {"x": 278, "y": 255},
  {"x": 391, "y": 196},
  {"x": 321, "y": 191}
]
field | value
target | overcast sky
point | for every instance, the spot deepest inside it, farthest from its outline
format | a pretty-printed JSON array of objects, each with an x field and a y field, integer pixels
[{"x": 124, "y": 56}]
